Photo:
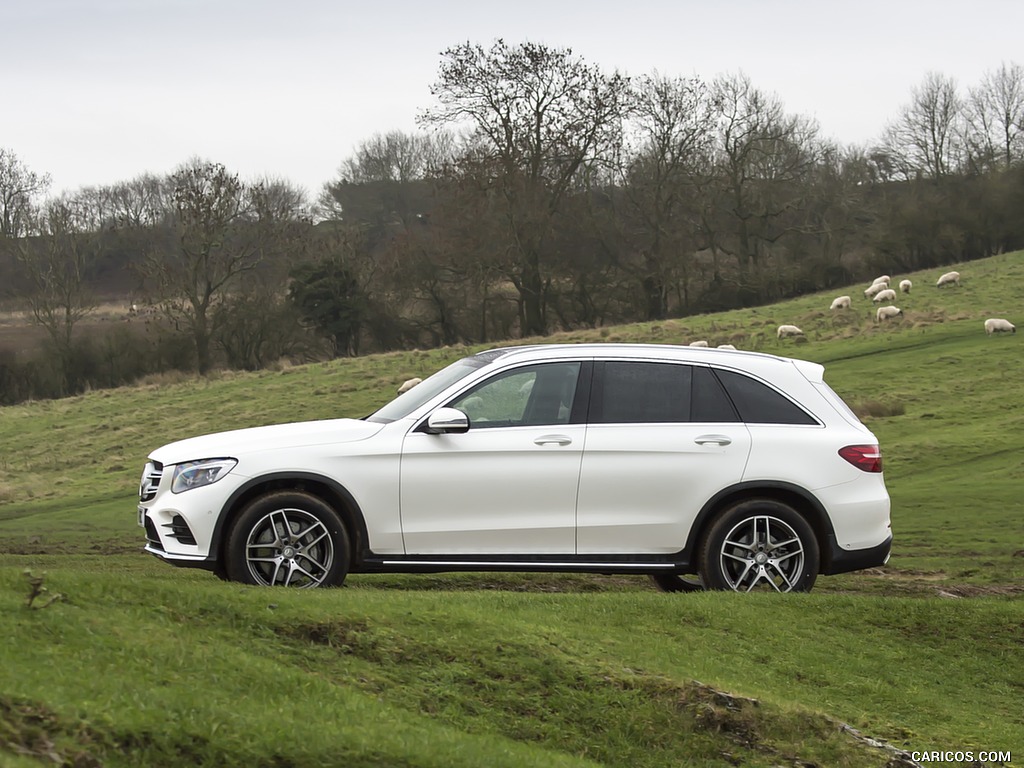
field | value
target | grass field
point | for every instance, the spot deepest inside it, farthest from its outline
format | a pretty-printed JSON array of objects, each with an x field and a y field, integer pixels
[{"x": 142, "y": 664}]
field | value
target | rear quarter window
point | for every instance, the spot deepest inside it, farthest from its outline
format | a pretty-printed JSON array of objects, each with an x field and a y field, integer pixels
[{"x": 758, "y": 403}]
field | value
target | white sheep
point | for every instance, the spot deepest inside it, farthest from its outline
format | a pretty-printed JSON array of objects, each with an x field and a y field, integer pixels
[
  {"x": 841, "y": 302},
  {"x": 789, "y": 330},
  {"x": 875, "y": 288},
  {"x": 408, "y": 385},
  {"x": 886, "y": 313},
  {"x": 905, "y": 286},
  {"x": 882, "y": 279},
  {"x": 999, "y": 325},
  {"x": 948, "y": 279},
  {"x": 726, "y": 346},
  {"x": 887, "y": 295},
  {"x": 701, "y": 343}
]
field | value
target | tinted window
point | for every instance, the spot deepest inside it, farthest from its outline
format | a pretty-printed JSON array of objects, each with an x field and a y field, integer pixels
[
  {"x": 760, "y": 404},
  {"x": 644, "y": 393},
  {"x": 710, "y": 403},
  {"x": 532, "y": 395}
]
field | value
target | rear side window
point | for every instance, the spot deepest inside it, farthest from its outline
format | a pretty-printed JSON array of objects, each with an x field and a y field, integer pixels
[
  {"x": 709, "y": 401},
  {"x": 760, "y": 404},
  {"x": 644, "y": 393}
]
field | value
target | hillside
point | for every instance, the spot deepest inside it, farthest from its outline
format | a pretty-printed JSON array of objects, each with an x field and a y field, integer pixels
[{"x": 143, "y": 664}]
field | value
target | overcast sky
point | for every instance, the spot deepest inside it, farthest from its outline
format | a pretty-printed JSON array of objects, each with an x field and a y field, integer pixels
[{"x": 99, "y": 91}]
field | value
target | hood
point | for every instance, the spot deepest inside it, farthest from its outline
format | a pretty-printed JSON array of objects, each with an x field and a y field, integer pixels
[{"x": 240, "y": 442}]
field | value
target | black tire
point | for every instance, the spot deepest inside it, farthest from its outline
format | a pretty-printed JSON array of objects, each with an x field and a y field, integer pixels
[
  {"x": 677, "y": 582},
  {"x": 288, "y": 538},
  {"x": 760, "y": 544}
]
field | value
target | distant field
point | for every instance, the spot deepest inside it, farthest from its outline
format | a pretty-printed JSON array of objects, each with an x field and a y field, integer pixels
[{"x": 170, "y": 666}]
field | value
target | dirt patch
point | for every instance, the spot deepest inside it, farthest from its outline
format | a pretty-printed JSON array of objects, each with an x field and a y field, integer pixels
[{"x": 32, "y": 730}]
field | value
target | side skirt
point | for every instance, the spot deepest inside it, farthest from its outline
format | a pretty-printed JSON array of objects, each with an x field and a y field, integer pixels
[{"x": 515, "y": 563}]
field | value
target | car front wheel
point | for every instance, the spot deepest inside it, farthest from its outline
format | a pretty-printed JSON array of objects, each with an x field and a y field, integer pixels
[
  {"x": 760, "y": 544},
  {"x": 288, "y": 539}
]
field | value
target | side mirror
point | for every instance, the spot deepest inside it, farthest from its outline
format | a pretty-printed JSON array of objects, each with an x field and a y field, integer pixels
[{"x": 447, "y": 421}]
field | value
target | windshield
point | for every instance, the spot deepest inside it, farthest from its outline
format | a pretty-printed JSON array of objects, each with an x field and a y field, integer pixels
[{"x": 409, "y": 401}]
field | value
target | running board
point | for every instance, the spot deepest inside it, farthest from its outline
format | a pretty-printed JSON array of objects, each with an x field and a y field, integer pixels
[{"x": 590, "y": 565}]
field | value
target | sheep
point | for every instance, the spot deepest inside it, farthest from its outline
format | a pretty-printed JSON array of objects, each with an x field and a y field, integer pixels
[
  {"x": 882, "y": 279},
  {"x": 999, "y": 325},
  {"x": 887, "y": 295},
  {"x": 408, "y": 385},
  {"x": 905, "y": 286},
  {"x": 948, "y": 279},
  {"x": 841, "y": 302},
  {"x": 701, "y": 343},
  {"x": 886, "y": 313},
  {"x": 789, "y": 330},
  {"x": 875, "y": 288},
  {"x": 726, "y": 346}
]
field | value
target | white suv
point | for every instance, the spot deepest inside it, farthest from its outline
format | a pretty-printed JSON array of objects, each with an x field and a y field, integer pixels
[{"x": 700, "y": 467}]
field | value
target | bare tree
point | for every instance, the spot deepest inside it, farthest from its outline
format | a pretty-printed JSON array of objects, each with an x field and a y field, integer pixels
[
  {"x": 19, "y": 188},
  {"x": 388, "y": 168},
  {"x": 57, "y": 265},
  {"x": 539, "y": 118},
  {"x": 925, "y": 140},
  {"x": 762, "y": 159},
  {"x": 673, "y": 120},
  {"x": 995, "y": 118},
  {"x": 222, "y": 229}
]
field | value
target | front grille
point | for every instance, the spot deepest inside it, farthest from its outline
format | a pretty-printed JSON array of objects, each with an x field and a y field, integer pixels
[
  {"x": 151, "y": 477},
  {"x": 180, "y": 530}
]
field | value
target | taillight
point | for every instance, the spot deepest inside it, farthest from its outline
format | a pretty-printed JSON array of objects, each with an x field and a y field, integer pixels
[{"x": 864, "y": 457}]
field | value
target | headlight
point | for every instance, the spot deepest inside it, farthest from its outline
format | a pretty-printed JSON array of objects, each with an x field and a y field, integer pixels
[{"x": 196, "y": 474}]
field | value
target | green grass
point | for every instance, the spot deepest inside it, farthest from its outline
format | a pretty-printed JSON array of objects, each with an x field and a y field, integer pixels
[
  {"x": 180, "y": 669},
  {"x": 142, "y": 664}
]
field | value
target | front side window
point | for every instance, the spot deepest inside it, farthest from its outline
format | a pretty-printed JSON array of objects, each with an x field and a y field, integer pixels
[{"x": 527, "y": 396}]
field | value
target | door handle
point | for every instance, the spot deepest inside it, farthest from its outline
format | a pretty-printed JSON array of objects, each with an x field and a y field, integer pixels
[
  {"x": 555, "y": 439},
  {"x": 716, "y": 439}
]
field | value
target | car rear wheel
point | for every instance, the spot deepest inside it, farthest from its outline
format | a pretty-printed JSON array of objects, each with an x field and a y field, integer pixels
[
  {"x": 760, "y": 545},
  {"x": 677, "y": 582},
  {"x": 288, "y": 539}
]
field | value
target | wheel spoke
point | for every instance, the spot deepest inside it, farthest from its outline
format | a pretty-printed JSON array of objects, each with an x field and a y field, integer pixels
[
  {"x": 731, "y": 556},
  {"x": 788, "y": 555},
  {"x": 312, "y": 527},
  {"x": 277, "y": 570},
  {"x": 739, "y": 580},
  {"x": 782, "y": 574},
  {"x": 319, "y": 566},
  {"x": 741, "y": 545},
  {"x": 306, "y": 547},
  {"x": 295, "y": 567}
]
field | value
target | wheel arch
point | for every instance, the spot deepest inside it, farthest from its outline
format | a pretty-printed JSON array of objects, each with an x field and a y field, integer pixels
[
  {"x": 800, "y": 499},
  {"x": 327, "y": 490}
]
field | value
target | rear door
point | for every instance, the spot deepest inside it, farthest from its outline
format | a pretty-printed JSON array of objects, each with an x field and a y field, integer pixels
[{"x": 662, "y": 439}]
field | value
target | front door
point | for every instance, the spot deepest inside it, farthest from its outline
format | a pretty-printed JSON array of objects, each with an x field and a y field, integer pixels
[{"x": 507, "y": 486}]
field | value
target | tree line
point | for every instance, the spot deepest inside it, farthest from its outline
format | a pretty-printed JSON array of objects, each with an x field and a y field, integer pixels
[{"x": 542, "y": 193}]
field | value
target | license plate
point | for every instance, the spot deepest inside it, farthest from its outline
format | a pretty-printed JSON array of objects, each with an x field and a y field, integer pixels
[{"x": 142, "y": 517}]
